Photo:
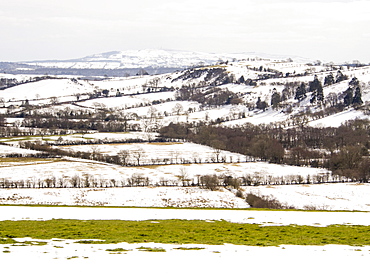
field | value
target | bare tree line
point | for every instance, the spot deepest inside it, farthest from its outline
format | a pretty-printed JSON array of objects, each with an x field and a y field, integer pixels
[{"x": 211, "y": 182}]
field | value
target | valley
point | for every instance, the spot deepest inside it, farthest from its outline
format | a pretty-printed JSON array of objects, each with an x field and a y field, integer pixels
[{"x": 225, "y": 160}]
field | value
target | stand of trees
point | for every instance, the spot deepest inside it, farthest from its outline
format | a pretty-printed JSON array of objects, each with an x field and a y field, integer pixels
[{"x": 331, "y": 148}]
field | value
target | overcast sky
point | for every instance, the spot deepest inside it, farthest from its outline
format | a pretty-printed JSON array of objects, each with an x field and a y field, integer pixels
[{"x": 63, "y": 29}]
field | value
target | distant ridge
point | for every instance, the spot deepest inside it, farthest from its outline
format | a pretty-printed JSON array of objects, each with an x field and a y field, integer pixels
[
  {"x": 156, "y": 58},
  {"x": 155, "y": 61}
]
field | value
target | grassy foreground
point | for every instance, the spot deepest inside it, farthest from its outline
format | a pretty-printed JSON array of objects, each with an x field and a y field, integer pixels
[{"x": 183, "y": 232}]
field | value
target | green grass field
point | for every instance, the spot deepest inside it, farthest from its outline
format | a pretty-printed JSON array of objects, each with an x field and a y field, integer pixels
[{"x": 183, "y": 232}]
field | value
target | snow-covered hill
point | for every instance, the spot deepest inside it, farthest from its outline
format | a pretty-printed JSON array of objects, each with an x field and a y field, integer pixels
[
  {"x": 159, "y": 95},
  {"x": 155, "y": 59}
]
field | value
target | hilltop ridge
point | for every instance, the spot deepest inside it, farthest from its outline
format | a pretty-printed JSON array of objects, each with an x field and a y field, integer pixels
[{"x": 129, "y": 62}]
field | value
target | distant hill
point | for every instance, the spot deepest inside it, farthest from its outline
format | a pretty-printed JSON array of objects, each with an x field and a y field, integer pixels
[{"x": 130, "y": 62}]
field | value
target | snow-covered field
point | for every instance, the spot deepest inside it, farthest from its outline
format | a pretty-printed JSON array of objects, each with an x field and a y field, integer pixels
[
  {"x": 347, "y": 197},
  {"x": 337, "y": 119},
  {"x": 6, "y": 150},
  {"x": 268, "y": 218},
  {"x": 171, "y": 152},
  {"x": 157, "y": 174},
  {"x": 77, "y": 137},
  {"x": 334, "y": 196},
  {"x": 66, "y": 258},
  {"x": 131, "y": 196},
  {"x": 45, "y": 89}
]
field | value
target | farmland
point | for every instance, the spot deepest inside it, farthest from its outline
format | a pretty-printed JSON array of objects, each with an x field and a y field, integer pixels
[{"x": 171, "y": 168}]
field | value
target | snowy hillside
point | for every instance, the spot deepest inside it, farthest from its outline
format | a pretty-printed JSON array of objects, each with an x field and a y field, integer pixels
[
  {"x": 347, "y": 197},
  {"x": 162, "y": 96},
  {"x": 156, "y": 59},
  {"x": 176, "y": 129}
]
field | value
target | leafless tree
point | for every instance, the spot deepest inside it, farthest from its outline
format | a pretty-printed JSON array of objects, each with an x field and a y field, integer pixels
[
  {"x": 138, "y": 154},
  {"x": 177, "y": 109},
  {"x": 184, "y": 176},
  {"x": 124, "y": 156}
]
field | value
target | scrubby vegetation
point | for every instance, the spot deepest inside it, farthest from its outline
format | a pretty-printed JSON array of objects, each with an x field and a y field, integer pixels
[{"x": 257, "y": 201}]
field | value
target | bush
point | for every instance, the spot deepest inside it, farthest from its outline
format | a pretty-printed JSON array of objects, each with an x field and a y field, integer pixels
[
  {"x": 210, "y": 182},
  {"x": 263, "y": 201}
]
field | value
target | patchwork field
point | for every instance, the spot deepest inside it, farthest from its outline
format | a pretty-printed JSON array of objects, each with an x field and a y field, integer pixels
[
  {"x": 76, "y": 245},
  {"x": 223, "y": 239}
]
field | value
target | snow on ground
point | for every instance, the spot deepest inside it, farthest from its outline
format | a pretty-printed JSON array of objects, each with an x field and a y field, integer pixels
[
  {"x": 129, "y": 196},
  {"x": 104, "y": 136},
  {"x": 64, "y": 258},
  {"x": 157, "y": 174},
  {"x": 337, "y": 119},
  {"x": 335, "y": 196},
  {"x": 121, "y": 82},
  {"x": 268, "y": 218},
  {"x": 46, "y": 89},
  {"x": 315, "y": 196},
  {"x": 120, "y": 135},
  {"x": 168, "y": 108},
  {"x": 129, "y": 101},
  {"x": 172, "y": 152},
  {"x": 6, "y": 150},
  {"x": 259, "y": 117}
]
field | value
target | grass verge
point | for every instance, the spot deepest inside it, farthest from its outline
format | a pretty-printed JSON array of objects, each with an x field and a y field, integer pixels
[{"x": 184, "y": 232}]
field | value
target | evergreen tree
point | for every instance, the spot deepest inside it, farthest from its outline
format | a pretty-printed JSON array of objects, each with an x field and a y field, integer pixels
[
  {"x": 317, "y": 92},
  {"x": 317, "y": 95},
  {"x": 329, "y": 80},
  {"x": 301, "y": 92},
  {"x": 340, "y": 77},
  {"x": 357, "y": 100},
  {"x": 262, "y": 105},
  {"x": 354, "y": 82},
  {"x": 275, "y": 99},
  {"x": 348, "y": 98},
  {"x": 353, "y": 87},
  {"x": 314, "y": 85}
]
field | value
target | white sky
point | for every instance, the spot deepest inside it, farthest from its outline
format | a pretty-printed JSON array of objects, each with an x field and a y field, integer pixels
[{"x": 54, "y": 29}]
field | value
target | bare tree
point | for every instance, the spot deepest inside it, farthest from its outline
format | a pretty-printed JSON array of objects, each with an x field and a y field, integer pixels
[
  {"x": 154, "y": 83},
  {"x": 124, "y": 156},
  {"x": 138, "y": 154},
  {"x": 177, "y": 109},
  {"x": 184, "y": 176},
  {"x": 152, "y": 113},
  {"x": 77, "y": 95},
  {"x": 94, "y": 152}
]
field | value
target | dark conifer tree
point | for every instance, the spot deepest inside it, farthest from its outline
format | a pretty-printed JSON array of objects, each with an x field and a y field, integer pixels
[
  {"x": 354, "y": 82},
  {"x": 348, "y": 98},
  {"x": 329, "y": 80},
  {"x": 275, "y": 99},
  {"x": 262, "y": 105},
  {"x": 301, "y": 92},
  {"x": 340, "y": 77},
  {"x": 314, "y": 85},
  {"x": 317, "y": 92},
  {"x": 357, "y": 100}
]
